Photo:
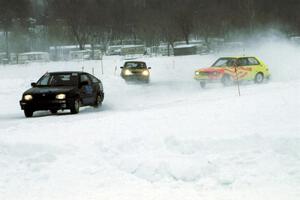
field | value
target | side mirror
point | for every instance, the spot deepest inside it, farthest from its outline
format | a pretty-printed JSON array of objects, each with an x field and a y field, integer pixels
[
  {"x": 33, "y": 84},
  {"x": 121, "y": 67},
  {"x": 149, "y": 67},
  {"x": 83, "y": 83}
]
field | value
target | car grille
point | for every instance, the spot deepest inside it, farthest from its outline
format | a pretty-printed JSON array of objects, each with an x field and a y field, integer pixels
[
  {"x": 203, "y": 73},
  {"x": 44, "y": 96},
  {"x": 136, "y": 72}
]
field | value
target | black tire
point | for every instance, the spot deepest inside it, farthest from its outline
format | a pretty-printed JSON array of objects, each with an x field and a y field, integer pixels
[
  {"x": 53, "y": 111},
  {"x": 28, "y": 113},
  {"x": 226, "y": 80},
  {"x": 202, "y": 84},
  {"x": 259, "y": 78},
  {"x": 75, "y": 106},
  {"x": 98, "y": 101}
]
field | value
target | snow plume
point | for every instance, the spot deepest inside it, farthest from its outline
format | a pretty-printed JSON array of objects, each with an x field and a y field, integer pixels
[
  {"x": 282, "y": 57},
  {"x": 275, "y": 49}
]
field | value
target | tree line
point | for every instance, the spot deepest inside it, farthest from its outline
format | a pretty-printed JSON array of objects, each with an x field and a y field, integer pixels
[{"x": 31, "y": 25}]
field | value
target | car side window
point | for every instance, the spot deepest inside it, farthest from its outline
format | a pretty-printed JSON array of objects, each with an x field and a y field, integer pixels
[
  {"x": 87, "y": 89},
  {"x": 84, "y": 77},
  {"x": 94, "y": 79},
  {"x": 44, "y": 80},
  {"x": 231, "y": 63},
  {"x": 243, "y": 62},
  {"x": 253, "y": 61}
]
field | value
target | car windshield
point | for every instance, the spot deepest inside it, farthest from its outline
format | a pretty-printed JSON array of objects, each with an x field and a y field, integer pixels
[
  {"x": 68, "y": 79},
  {"x": 225, "y": 62},
  {"x": 135, "y": 65}
]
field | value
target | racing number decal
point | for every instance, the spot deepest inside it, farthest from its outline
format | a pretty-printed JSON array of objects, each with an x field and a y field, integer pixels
[{"x": 242, "y": 72}]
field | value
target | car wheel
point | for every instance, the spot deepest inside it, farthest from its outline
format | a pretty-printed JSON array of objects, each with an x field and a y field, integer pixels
[
  {"x": 28, "y": 113},
  {"x": 53, "y": 111},
  {"x": 98, "y": 101},
  {"x": 75, "y": 106},
  {"x": 259, "y": 78},
  {"x": 226, "y": 80},
  {"x": 202, "y": 84}
]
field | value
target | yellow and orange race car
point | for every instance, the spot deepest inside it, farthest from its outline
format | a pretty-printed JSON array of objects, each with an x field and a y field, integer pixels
[{"x": 228, "y": 70}]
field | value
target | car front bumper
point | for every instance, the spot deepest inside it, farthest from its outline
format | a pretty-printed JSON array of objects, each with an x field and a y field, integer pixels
[
  {"x": 207, "y": 79},
  {"x": 135, "y": 78},
  {"x": 35, "y": 105}
]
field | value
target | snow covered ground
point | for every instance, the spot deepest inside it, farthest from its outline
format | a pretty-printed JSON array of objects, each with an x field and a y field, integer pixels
[{"x": 166, "y": 140}]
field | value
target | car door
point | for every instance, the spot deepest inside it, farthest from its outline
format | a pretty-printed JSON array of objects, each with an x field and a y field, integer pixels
[
  {"x": 244, "y": 69},
  {"x": 97, "y": 85},
  {"x": 87, "y": 90},
  {"x": 255, "y": 66},
  {"x": 230, "y": 66}
]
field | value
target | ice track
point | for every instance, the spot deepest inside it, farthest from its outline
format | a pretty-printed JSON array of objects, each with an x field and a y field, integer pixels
[{"x": 166, "y": 140}]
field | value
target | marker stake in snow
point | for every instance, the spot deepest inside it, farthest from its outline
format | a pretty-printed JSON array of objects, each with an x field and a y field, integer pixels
[
  {"x": 115, "y": 72},
  {"x": 173, "y": 63},
  {"x": 237, "y": 79},
  {"x": 102, "y": 66}
]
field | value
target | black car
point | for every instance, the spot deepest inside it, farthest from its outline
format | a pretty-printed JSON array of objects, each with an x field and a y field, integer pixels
[
  {"x": 62, "y": 90},
  {"x": 135, "y": 71}
]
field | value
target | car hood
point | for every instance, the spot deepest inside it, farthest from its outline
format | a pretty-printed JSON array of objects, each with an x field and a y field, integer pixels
[
  {"x": 45, "y": 90},
  {"x": 211, "y": 69}
]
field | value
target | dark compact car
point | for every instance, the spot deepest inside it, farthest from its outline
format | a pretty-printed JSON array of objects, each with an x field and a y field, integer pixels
[
  {"x": 62, "y": 90},
  {"x": 135, "y": 71}
]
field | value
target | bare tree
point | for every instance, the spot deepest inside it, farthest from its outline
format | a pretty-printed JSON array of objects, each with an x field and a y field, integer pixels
[
  {"x": 75, "y": 14},
  {"x": 10, "y": 11},
  {"x": 152, "y": 21}
]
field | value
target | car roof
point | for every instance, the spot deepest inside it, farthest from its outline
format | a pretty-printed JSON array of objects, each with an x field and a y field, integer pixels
[
  {"x": 135, "y": 61},
  {"x": 71, "y": 72},
  {"x": 67, "y": 72},
  {"x": 237, "y": 57}
]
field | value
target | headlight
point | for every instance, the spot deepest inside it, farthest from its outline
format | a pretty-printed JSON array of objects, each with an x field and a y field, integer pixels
[
  {"x": 197, "y": 73},
  {"x": 60, "y": 96},
  {"x": 145, "y": 73},
  {"x": 28, "y": 97},
  {"x": 127, "y": 72}
]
